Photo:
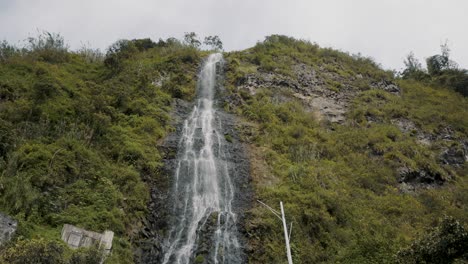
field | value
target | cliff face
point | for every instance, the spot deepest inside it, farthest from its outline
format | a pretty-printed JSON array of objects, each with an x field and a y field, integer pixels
[{"x": 153, "y": 242}]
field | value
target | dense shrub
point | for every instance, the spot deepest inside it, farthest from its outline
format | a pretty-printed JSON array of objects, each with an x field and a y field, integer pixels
[
  {"x": 41, "y": 251},
  {"x": 340, "y": 183},
  {"x": 78, "y": 139},
  {"x": 444, "y": 244},
  {"x": 49, "y": 47}
]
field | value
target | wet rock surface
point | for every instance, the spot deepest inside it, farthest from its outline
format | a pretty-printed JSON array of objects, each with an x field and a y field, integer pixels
[
  {"x": 150, "y": 244},
  {"x": 152, "y": 239}
]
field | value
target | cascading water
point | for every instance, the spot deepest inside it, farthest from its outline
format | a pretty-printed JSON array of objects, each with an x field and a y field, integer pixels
[{"x": 204, "y": 226}]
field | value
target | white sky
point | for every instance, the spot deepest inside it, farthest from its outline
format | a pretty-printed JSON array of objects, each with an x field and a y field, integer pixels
[{"x": 386, "y": 30}]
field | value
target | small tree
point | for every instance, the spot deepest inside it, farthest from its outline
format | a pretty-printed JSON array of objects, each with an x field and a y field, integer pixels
[
  {"x": 7, "y": 50},
  {"x": 191, "y": 39},
  {"x": 413, "y": 68},
  {"x": 215, "y": 42},
  {"x": 440, "y": 62},
  {"x": 118, "y": 52}
]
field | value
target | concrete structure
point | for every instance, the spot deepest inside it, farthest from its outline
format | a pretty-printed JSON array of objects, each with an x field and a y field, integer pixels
[
  {"x": 77, "y": 237},
  {"x": 8, "y": 228}
]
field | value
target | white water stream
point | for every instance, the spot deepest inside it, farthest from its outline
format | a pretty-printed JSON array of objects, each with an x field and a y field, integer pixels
[{"x": 204, "y": 226}]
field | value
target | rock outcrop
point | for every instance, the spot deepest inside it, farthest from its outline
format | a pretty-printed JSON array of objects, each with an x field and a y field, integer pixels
[
  {"x": 8, "y": 228},
  {"x": 307, "y": 86}
]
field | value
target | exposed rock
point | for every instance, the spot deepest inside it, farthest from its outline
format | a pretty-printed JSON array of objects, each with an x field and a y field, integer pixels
[
  {"x": 8, "y": 228},
  {"x": 306, "y": 86},
  {"x": 387, "y": 86},
  {"x": 408, "y": 127},
  {"x": 327, "y": 108},
  {"x": 454, "y": 155},
  {"x": 405, "y": 125},
  {"x": 160, "y": 80},
  {"x": 420, "y": 178}
]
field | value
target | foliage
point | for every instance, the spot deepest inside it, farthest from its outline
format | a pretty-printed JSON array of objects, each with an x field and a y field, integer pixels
[
  {"x": 49, "y": 47},
  {"x": 443, "y": 244},
  {"x": 121, "y": 50},
  {"x": 214, "y": 42},
  {"x": 339, "y": 183},
  {"x": 41, "y": 251},
  {"x": 36, "y": 251},
  {"x": 90, "y": 55},
  {"x": 191, "y": 39},
  {"x": 7, "y": 50},
  {"x": 413, "y": 68},
  {"x": 441, "y": 71},
  {"x": 78, "y": 137}
]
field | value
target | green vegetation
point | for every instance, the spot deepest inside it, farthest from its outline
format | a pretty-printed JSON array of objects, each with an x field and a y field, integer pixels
[
  {"x": 340, "y": 183},
  {"x": 444, "y": 244},
  {"x": 40, "y": 251},
  {"x": 441, "y": 71},
  {"x": 79, "y": 131},
  {"x": 78, "y": 134}
]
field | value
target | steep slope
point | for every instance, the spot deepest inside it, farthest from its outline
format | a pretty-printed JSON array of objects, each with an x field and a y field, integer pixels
[
  {"x": 363, "y": 162},
  {"x": 79, "y": 140}
]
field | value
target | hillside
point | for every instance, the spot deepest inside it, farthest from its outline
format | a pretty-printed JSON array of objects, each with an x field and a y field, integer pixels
[{"x": 365, "y": 162}]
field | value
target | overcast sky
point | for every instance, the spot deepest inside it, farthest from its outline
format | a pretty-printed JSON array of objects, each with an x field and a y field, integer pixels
[{"x": 386, "y": 30}]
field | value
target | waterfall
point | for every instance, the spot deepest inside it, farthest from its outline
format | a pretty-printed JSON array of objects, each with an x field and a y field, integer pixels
[{"x": 204, "y": 224}]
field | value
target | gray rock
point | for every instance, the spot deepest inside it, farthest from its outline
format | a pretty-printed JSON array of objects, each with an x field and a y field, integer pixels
[
  {"x": 420, "y": 178},
  {"x": 454, "y": 156},
  {"x": 387, "y": 86},
  {"x": 307, "y": 86},
  {"x": 8, "y": 228}
]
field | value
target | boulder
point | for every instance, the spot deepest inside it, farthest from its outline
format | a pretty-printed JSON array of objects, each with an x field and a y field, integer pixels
[{"x": 8, "y": 228}]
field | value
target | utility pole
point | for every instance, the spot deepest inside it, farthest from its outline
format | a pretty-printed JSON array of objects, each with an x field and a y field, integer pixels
[
  {"x": 283, "y": 219},
  {"x": 286, "y": 238}
]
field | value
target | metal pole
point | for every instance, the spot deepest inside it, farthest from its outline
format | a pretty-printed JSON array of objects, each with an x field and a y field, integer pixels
[{"x": 288, "y": 249}]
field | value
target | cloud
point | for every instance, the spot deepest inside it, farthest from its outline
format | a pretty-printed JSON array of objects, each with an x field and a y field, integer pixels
[{"x": 386, "y": 30}]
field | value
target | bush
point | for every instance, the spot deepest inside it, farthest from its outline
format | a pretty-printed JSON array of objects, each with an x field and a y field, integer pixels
[
  {"x": 35, "y": 251},
  {"x": 41, "y": 251},
  {"x": 444, "y": 244},
  {"x": 90, "y": 255},
  {"x": 49, "y": 47},
  {"x": 7, "y": 50},
  {"x": 118, "y": 52}
]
